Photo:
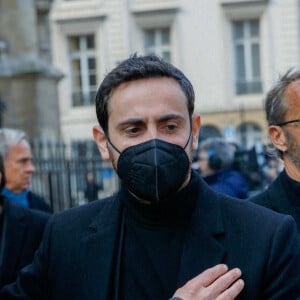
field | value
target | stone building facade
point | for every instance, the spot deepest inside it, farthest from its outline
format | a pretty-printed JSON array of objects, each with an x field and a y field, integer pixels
[
  {"x": 232, "y": 51},
  {"x": 28, "y": 81}
]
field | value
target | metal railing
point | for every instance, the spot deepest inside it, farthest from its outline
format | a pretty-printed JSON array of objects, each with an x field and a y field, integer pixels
[{"x": 60, "y": 175}]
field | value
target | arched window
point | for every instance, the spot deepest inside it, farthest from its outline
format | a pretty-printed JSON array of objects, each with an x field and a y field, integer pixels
[{"x": 207, "y": 131}]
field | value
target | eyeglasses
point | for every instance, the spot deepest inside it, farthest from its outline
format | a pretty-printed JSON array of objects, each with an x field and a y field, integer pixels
[{"x": 288, "y": 122}]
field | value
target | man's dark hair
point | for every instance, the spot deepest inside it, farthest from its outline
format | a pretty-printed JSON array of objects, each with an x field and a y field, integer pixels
[{"x": 134, "y": 68}]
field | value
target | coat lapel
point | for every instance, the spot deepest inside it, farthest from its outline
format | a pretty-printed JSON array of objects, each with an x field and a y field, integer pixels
[
  {"x": 14, "y": 230},
  {"x": 100, "y": 246},
  {"x": 203, "y": 247}
]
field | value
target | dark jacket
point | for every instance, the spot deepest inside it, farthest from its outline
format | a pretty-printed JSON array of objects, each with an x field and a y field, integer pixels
[
  {"x": 78, "y": 258},
  {"x": 37, "y": 202},
  {"x": 281, "y": 196},
  {"x": 229, "y": 182},
  {"x": 91, "y": 191},
  {"x": 20, "y": 237}
]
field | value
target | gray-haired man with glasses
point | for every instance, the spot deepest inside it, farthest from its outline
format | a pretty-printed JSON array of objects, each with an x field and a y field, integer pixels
[{"x": 283, "y": 116}]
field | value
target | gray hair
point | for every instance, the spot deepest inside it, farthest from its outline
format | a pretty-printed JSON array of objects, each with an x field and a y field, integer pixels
[
  {"x": 219, "y": 148},
  {"x": 276, "y": 106},
  {"x": 10, "y": 137}
]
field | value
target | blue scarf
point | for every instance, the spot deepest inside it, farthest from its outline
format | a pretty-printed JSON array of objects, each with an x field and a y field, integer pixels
[{"x": 19, "y": 199}]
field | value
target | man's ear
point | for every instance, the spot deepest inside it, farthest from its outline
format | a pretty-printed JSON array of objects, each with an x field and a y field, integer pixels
[
  {"x": 196, "y": 123},
  {"x": 101, "y": 141},
  {"x": 277, "y": 137}
]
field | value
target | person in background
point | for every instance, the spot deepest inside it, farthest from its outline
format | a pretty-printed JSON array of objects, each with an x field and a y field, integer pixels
[
  {"x": 282, "y": 107},
  {"x": 271, "y": 169},
  {"x": 16, "y": 151},
  {"x": 92, "y": 188},
  {"x": 21, "y": 231},
  {"x": 215, "y": 163},
  {"x": 165, "y": 233}
]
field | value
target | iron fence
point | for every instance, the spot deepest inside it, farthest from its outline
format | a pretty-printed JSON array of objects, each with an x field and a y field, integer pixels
[{"x": 61, "y": 171}]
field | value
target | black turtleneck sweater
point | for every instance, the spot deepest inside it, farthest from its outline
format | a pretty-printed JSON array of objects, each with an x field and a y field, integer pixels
[
  {"x": 293, "y": 189},
  {"x": 283, "y": 196},
  {"x": 153, "y": 239}
]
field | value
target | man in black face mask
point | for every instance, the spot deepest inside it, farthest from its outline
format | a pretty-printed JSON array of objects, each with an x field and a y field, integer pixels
[{"x": 165, "y": 233}]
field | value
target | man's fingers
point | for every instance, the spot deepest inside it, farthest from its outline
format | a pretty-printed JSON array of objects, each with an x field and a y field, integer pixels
[
  {"x": 233, "y": 291},
  {"x": 214, "y": 283},
  {"x": 207, "y": 277},
  {"x": 224, "y": 286},
  {"x": 225, "y": 281}
]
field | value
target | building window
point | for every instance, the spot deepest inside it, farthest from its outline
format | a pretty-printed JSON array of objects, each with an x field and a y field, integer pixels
[
  {"x": 207, "y": 131},
  {"x": 157, "y": 41},
  {"x": 83, "y": 68},
  {"x": 247, "y": 56}
]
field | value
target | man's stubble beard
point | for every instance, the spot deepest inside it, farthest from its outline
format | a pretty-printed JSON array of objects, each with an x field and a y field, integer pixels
[{"x": 293, "y": 149}]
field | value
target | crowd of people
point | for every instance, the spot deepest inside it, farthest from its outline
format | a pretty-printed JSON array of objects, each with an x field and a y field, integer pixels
[
  {"x": 230, "y": 169},
  {"x": 172, "y": 231},
  {"x": 215, "y": 163}
]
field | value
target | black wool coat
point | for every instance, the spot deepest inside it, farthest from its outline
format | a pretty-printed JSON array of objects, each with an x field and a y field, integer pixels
[
  {"x": 281, "y": 197},
  {"x": 20, "y": 237},
  {"x": 79, "y": 257},
  {"x": 37, "y": 202}
]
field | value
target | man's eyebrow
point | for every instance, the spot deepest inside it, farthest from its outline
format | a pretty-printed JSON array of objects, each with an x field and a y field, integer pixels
[
  {"x": 171, "y": 117},
  {"x": 131, "y": 121},
  {"x": 25, "y": 158},
  {"x": 138, "y": 121}
]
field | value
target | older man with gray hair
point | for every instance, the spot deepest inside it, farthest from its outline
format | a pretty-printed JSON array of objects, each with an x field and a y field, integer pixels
[
  {"x": 16, "y": 151},
  {"x": 282, "y": 107}
]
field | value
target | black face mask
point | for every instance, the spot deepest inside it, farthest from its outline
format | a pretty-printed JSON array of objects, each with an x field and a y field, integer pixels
[{"x": 153, "y": 170}]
